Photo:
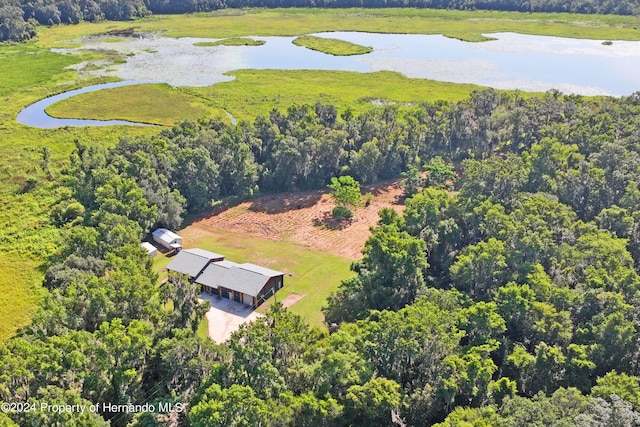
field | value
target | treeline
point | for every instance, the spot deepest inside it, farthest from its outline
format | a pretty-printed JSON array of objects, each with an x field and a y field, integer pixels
[
  {"x": 511, "y": 300},
  {"x": 18, "y": 18}
]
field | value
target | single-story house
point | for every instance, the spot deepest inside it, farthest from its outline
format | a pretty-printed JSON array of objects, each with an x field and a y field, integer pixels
[
  {"x": 151, "y": 250},
  {"x": 246, "y": 283},
  {"x": 167, "y": 239},
  {"x": 193, "y": 261}
]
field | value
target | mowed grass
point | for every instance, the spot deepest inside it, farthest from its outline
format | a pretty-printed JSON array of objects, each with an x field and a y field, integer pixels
[
  {"x": 253, "y": 92},
  {"x": 464, "y": 25},
  {"x": 159, "y": 104},
  {"x": 332, "y": 46},
  {"x": 310, "y": 273}
]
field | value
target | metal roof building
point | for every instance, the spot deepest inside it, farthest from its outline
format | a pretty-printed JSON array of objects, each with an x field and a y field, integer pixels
[
  {"x": 151, "y": 250},
  {"x": 167, "y": 238},
  {"x": 192, "y": 261},
  {"x": 246, "y": 283}
]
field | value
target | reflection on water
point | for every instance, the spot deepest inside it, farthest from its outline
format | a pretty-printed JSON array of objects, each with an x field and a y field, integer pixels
[{"x": 512, "y": 61}]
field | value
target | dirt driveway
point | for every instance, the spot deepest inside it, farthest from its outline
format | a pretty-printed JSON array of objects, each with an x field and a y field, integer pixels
[{"x": 225, "y": 316}]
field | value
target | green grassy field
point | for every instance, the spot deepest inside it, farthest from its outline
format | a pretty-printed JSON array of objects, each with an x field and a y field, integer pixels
[
  {"x": 331, "y": 46},
  {"x": 309, "y": 273},
  {"x": 27, "y": 193},
  {"x": 253, "y": 93}
]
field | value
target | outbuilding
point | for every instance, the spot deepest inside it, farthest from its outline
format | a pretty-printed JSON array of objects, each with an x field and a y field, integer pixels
[
  {"x": 167, "y": 239},
  {"x": 151, "y": 250}
]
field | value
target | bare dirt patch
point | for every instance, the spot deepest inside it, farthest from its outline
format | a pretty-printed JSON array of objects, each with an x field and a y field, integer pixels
[
  {"x": 289, "y": 300},
  {"x": 299, "y": 218}
]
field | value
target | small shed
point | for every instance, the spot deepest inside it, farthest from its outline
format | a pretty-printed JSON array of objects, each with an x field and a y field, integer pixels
[
  {"x": 167, "y": 239},
  {"x": 151, "y": 250}
]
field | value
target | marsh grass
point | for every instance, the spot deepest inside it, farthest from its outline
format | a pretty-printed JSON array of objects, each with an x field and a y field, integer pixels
[
  {"x": 159, "y": 104},
  {"x": 235, "y": 41},
  {"x": 253, "y": 92},
  {"x": 332, "y": 46},
  {"x": 463, "y": 25}
]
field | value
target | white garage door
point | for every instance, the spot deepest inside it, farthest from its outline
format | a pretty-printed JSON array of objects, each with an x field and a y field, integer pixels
[{"x": 247, "y": 299}]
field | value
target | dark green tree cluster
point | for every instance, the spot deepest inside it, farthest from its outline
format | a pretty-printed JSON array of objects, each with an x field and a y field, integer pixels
[{"x": 511, "y": 299}]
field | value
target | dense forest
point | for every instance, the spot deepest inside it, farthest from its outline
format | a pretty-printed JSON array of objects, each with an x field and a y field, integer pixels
[
  {"x": 507, "y": 293},
  {"x": 19, "y": 18}
]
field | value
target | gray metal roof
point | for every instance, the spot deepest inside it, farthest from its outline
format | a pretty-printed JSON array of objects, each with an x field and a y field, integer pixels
[
  {"x": 215, "y": 273},
  {"x": 203, "y": 253},
  {"x": 261, "y": 270},
  {"x": 192, "y": 261},
  {"x": 236, "y": 277}
]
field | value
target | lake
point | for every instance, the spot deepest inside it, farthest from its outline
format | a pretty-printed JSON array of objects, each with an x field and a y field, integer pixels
[{"x": 511, "y": 61}]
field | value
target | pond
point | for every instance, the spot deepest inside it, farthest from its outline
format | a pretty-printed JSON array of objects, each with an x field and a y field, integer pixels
[{"x": 511, "y": 61}]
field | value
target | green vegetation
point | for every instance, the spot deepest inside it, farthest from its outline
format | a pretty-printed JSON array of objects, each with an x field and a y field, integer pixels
[
  {"x": 512, "y": 301},
  {"x": 253, "y": 92},
  {"x": 154, "y": 104},
  {"x": 331, "y": 46},
  {"x": 463, "y": 25},
  {"x": 346, "y": 192},
  {"x": 235, "y": 41}
]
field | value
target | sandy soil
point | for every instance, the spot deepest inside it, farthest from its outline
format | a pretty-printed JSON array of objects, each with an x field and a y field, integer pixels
[
  {"x": 301, "y": 218},
  {"x": 289, "y": 300}
]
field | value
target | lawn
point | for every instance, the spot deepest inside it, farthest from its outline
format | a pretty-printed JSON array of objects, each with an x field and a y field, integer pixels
[{"x": 310, "y": 273}]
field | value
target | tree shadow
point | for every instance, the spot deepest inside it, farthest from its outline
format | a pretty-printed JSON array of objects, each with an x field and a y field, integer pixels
[
  {"x": 284, "y": 202},
  {"x": 220, "y": 207},
  {"x": 328, "y": 221}
]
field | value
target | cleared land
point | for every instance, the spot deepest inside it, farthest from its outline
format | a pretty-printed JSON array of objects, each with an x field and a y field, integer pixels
[{"x": 288, "y": 232}]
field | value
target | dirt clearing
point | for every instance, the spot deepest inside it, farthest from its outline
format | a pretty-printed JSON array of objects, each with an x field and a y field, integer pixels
[{"x": 300, "y": 218}]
